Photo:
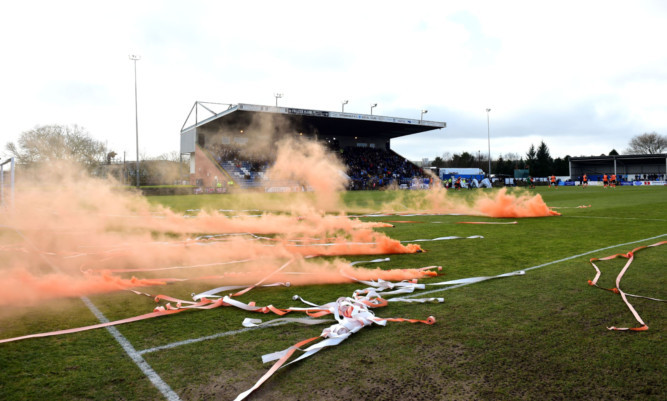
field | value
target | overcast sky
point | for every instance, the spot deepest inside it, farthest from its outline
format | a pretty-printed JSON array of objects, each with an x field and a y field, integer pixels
[{"x": 582, "y": 76}]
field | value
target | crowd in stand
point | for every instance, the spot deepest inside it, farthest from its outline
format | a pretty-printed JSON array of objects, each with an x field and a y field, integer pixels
[
  {"x": 368, "y": 168},
  {"x": 224, "y": 153},
  {"x": 650, "y": 177},
  {"x": 234, "y": 153},
  {"x": 625, "y": 177},
  {"x": 372, "y": 168}
]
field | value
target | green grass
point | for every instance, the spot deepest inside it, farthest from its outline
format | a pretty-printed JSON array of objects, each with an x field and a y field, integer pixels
[{"x": 538, "y": 336}]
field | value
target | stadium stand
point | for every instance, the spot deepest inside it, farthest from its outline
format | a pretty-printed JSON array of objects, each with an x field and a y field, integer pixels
[
  {"x": 362, "y": 141},
  {"x": 370, "y": 168},
  {"x": 245, "y": 171}
]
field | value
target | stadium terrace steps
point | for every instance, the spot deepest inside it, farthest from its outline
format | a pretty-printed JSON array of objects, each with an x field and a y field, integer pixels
[
  {"x": 239, "y": 174},
  {"x": 209, "y": 156}
]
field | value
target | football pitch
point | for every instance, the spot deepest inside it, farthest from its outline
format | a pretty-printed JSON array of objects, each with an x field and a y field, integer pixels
[{"x": 540, "y": 335}]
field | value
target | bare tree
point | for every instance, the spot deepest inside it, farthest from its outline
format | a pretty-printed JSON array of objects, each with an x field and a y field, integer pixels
[
  {"x": 48, "y": 143},
  {"x": 647, "y": 144},
  {"x": 167, "y": 168},
  {"x": 173, "y": 156}
]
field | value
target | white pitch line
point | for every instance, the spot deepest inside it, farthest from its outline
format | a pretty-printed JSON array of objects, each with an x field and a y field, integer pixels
[
  {"x": 542, "y": 265},
  {"x": 233, "y": 332},
  {"x": 152, "y": 375},
  {"x": 211, "y": 337}
]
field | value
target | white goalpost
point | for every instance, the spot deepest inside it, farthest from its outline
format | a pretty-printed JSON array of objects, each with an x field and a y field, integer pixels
[{"x": 7, "y": 184}]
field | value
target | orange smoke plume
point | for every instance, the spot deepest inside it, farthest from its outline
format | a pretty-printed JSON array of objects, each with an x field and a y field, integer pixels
[
  {"x": 24, "y": 287},
  {"x": 502, "y": 204},
  {"x": 310, "y": 164},
  {"x": 438, "y": 200},
  {"x": 68, "y": 223}
]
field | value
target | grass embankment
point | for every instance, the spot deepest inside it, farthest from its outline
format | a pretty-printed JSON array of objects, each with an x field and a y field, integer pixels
[{"x": 538, "y": 336}]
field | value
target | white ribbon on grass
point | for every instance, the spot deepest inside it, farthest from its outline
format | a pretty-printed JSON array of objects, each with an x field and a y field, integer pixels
[
  {"x": 471, "y": 280},
  {"x": 214, "y": 292},
  {"x": 248, "y": 322}
]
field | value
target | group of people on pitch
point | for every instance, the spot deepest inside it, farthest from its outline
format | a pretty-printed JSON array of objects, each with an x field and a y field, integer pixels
[
  {"x": 609, "y": 181},
  {"x": 553, "y": 182}
]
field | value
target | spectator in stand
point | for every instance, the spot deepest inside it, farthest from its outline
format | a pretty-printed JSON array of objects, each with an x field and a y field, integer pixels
[{"x": 368, "y": 166}]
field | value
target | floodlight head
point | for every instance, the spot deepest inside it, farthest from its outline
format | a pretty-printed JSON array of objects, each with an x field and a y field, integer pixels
[
  {"x": 424, "y": 111},
  {"x": 279, "y": 95},
  {"x": 374, "y": 105},
  {"x": 345, "y": 101},
  {"x": 488, "y": 110},
  {"x": 135, "y": 57}
]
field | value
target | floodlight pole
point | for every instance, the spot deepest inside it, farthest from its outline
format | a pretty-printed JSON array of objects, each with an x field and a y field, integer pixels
[
  {"x": 344, "y": 103},
  {"x": 422, "y": 115},
  {"x": 136, "y": 58},
  {"x": 278, "y": 96},
  {"x": 372, "y": 106},
  {"x": 488, "y": 132}
]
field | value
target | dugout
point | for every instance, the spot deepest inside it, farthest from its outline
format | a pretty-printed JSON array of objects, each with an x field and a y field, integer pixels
[
  {"x": 629, "y": 166},
  {"x": 258, "y": 125}
]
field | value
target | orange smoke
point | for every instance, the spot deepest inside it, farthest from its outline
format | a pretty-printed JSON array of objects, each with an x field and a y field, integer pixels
[
  {"x": 503, "y": 204},
  {"x": 438, "y": 200},
  {"x": 310, "y": 164},
  {"x": 70, "y": 223},
  {"x": 307, "y": 272},
  {"x": 19, "y": 286},
  {"x": 387, "y": 275}
]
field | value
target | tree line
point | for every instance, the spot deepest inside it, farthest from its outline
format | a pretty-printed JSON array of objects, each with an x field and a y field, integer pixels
[
  {"x": 46, "y": 143},
  {"x": 538, "y": 161}
]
